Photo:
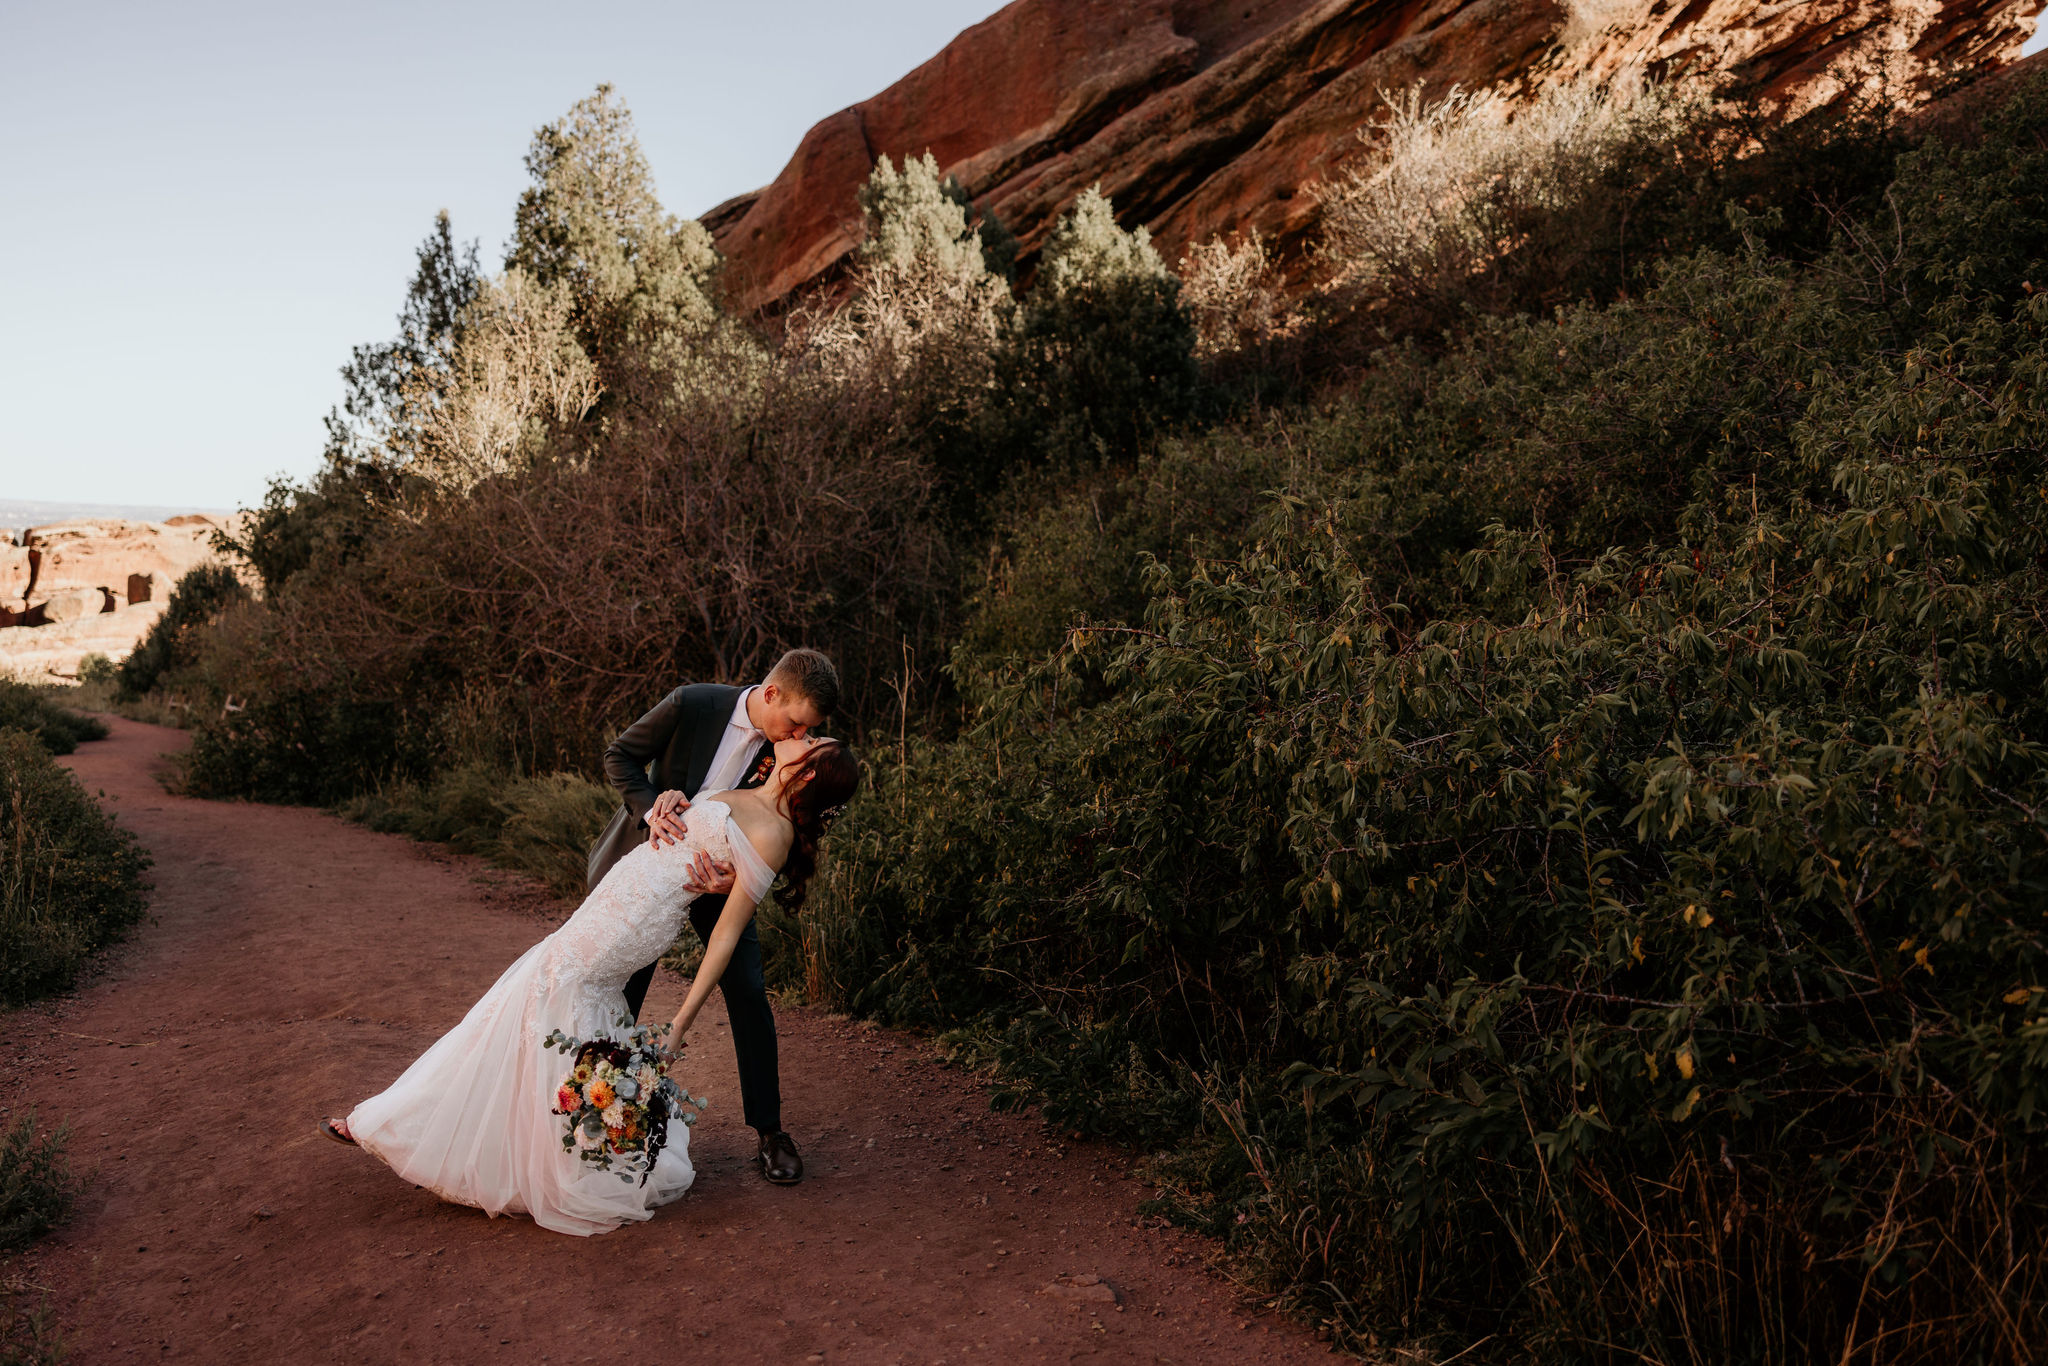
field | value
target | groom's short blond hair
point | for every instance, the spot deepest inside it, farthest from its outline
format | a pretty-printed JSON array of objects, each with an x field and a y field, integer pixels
[{"x": 810, "y": 675}]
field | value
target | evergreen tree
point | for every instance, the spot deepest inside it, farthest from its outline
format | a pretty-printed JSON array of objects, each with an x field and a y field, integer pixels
[
  {"x": 381, "y": 381},
  {"x": 998, "y": 244},
  {"x": 926, "y": 315},
  {"x": 914, "y": 215},
  {"x": 590, "y": 223},
  {"x": 1102, "y": 357}
]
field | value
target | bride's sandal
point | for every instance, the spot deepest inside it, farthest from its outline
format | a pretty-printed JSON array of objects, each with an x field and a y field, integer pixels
[{"x": 337, "y": 1129}]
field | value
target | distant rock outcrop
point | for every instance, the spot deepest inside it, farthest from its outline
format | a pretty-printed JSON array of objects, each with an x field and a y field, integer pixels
[
  {"x": 92, "y": 585},
  {"x": 1210, "y": 117}
]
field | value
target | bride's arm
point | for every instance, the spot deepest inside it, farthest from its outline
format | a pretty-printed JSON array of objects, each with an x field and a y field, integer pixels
[{"x": 725, "y": 937}]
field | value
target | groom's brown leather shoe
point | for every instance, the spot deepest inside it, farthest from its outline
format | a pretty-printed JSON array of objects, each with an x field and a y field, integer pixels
[{"x": 779, "y": 1160}]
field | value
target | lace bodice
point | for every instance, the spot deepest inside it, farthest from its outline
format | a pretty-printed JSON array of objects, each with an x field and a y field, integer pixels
[{"x": 637, "y": 911}]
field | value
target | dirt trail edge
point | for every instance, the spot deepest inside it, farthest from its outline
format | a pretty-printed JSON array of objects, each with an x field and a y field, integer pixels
[{"x": 297, "y": 963}]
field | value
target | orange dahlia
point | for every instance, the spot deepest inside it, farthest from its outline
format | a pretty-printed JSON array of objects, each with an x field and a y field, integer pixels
[
  {"x": 566, "y": 1099},
  {"x": 599, "y": 1093}
]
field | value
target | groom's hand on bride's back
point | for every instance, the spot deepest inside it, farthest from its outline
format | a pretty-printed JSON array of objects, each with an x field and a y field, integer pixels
[{"x": 709, "y": 877}]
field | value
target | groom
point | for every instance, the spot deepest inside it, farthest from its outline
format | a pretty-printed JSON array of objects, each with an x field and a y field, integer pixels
[{"x": 706, "y": 737}]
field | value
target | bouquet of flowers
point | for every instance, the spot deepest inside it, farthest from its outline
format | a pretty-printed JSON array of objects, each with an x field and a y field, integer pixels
[{"x": 619, "y": 1099}]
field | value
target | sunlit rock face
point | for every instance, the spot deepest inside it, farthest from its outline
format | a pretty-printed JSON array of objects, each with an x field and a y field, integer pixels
[
  {"x": 92, "y": 585},
  {"x": 1202, "y": 118}
]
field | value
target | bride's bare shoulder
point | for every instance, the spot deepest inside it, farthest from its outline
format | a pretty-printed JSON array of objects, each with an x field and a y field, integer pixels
[{"x": 768, "y": 832}]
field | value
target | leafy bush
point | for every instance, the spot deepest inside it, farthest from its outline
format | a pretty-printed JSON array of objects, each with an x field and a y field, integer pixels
[
  {"x": 24, "y": 707},
  {"x": 1576, "y": 872},
  {"x": 197, "y": 600},
  {"x": 71, "y": 879},
  {"x": 303, "y": 743},
  {"x": 97, "y": 669}
]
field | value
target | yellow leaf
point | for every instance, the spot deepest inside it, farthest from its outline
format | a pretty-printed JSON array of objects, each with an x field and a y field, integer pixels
[
  {"x": 2017, "y": 995},
  {"x": 1635, "y": 950},
  {"x": 1685, "y": 1063}
]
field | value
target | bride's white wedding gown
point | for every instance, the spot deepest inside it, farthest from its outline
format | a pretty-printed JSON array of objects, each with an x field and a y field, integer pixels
[{"x": 471, "y": 1119}]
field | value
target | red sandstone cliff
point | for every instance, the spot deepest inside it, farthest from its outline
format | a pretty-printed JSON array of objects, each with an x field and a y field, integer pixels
[{"x": 1207, "y": 117}]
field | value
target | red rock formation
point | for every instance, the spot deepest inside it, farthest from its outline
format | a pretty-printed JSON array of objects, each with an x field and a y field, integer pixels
[
  {"x": 92, "y": 586},
  {"x": 1208, "y": 117},
  {"x": 103, "y": 552}
]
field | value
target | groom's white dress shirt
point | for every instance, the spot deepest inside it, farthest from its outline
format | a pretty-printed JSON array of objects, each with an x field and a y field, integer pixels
[{"x": 735, "y": 747}]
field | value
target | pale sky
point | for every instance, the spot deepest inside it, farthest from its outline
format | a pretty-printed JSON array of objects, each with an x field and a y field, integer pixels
[{"x": 205, "y": 205}]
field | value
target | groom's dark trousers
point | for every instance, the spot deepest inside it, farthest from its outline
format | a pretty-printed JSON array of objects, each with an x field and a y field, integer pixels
[{"x": 679, "y": 739}]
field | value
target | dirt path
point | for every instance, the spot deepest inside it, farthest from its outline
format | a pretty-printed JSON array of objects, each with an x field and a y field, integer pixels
[{"x": 297, "y": 963}]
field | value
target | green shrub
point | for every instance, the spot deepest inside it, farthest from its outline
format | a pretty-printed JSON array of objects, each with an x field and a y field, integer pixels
[
  {"x": 306, "y": 745},
  {"x": 28, "y": 1335},
  {"x": 97, "y": 669},
  {"x": 24, "y": 707},
  {"x": 35, "y": 1182},
  {"x": 71, "y": 879},
  {"x": 197, "y": 599},
  {"x": 36, "y": 1191},
  {"x": 1575, "y": 873},
  {"x": 1101, "y": 358}
]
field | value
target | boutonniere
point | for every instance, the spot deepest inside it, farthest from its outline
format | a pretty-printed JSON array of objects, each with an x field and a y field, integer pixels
[{"x": 765, "y": 767}]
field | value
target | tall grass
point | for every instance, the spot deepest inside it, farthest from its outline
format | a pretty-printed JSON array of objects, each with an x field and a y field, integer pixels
[
  {"x": 36, "y": 1190},
  {"x": 542, "y": 825}
]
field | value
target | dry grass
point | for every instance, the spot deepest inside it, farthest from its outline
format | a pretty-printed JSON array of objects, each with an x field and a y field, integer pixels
[
  {"x": 540, "y": 825},
  {"x": 1455, "y": 183},
  {"x": 1233, "y": 295}
]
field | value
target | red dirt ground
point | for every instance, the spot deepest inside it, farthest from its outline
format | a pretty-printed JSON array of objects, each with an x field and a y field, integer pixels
[{"x": 296, "y": 963}]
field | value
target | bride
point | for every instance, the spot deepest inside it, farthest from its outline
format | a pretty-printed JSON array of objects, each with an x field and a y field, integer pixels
[{"x": 472, "y": 1119}]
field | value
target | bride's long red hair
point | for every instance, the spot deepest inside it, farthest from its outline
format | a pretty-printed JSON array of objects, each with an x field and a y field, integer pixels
[{"x": 811, "y": 807}]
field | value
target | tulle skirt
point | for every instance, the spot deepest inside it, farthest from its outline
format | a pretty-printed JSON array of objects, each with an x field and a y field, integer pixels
[{"x": 471, "y": 1120}]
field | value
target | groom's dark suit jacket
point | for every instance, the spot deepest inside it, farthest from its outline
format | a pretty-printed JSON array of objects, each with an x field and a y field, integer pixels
[{"x": 680, "y": 738}]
